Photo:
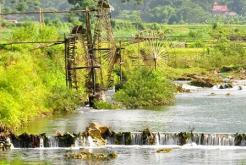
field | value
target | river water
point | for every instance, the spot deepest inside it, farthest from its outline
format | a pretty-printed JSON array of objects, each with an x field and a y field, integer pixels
[{"x": 203, "y": 110}]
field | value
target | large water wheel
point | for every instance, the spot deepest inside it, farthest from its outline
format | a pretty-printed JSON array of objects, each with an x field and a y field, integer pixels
[{"x": 92, "y": 53}]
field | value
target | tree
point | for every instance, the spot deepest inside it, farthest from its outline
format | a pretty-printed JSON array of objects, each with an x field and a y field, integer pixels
[
  {"x": 146, "y": 87},
  {"x": 238, "y": 6},
  {"x": 82, "y": 3}
]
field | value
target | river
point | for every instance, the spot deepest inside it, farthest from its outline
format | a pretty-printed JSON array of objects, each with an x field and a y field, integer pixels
[{"x": 204, "y": 110}]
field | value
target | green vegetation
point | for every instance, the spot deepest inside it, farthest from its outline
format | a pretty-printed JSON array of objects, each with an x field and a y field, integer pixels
[
  {"x": 178, "y": 11},
  {"x": 99, "y": 104},
  {"x": 146, "y": 87},
  {"x": 32, "y": 79},
  {"x": 161, "y": 11}
]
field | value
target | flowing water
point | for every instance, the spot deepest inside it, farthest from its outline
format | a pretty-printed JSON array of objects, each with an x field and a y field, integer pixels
[{"x": 214, "y": 115}]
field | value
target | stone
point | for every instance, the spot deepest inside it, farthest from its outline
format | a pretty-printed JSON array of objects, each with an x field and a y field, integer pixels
[
  {"x": 228, "y": 94},
  {"x": 225, "y": 86},
  {"x": 164, "y": 150},
  {"x": 212, "y": 94},
  {"x": 201, "y": 82},
  {"x": 84, "y": 155},
  {"x": 180, "y": 89}
]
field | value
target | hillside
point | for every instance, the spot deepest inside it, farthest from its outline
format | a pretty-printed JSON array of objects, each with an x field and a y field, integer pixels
[{"x": 162, "y": 11}]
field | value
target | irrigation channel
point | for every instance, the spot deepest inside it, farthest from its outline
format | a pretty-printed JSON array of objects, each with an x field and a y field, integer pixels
[{"x": 214, "y": 115}]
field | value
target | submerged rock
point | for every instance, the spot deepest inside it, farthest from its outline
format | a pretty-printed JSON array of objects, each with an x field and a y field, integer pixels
[
  {"x": 212, "y": 94},
  {"x": 91, "y": 156},
  {"x": 228, "y": 94},
  {"x": 164, "y": 150}
]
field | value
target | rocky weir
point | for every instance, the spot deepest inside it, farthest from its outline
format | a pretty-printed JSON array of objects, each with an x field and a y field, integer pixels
[{"x": 98, "y": 135}]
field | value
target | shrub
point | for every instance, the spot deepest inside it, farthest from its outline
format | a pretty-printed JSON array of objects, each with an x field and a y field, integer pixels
[
  {"x": 104, "y": 105},
  {"x": 146, "y": 88},
  {"x": 63, "y": 100}
]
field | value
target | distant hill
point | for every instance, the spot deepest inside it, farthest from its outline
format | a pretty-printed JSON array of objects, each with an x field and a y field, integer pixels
[{"x": 163, "y": 11}]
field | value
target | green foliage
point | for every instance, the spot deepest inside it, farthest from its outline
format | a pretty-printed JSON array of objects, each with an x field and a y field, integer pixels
[
  {"x": 104, "y": 105},
  {"x": 181, "y": 11},
  {"x": 32, "y": 81},
  {"x": 63, "y": 100},
  {"x": 146, "y": 87}
]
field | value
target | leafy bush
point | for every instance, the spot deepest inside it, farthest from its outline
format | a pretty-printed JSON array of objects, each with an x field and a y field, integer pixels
[
  {"x": 63, "y": 100},
  {"x": 146, "y": 88}
]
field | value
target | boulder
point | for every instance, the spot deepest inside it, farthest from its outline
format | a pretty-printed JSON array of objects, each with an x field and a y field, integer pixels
[
  {"x": 98, "y": 133},
  {"x": 104, "y": 130}
]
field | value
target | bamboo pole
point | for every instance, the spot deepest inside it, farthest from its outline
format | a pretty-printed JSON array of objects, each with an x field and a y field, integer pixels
[{"x": 50, "y": 12}]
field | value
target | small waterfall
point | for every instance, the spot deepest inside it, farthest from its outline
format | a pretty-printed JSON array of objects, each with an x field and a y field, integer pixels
[
  {"x": 157, "y": 139},
  {"x": 8, "y": 140},
  {"x": 133, "y": 138},
  {"x": 53, "y": 142},
  {"x": 90, "y": 142},
  {"x": 41, "y": 141},
  {"x": 181, "y": 139}
]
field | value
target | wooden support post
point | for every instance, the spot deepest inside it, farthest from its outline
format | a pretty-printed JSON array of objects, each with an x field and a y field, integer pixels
[
  {"x": 65, "y": 59},
  {"x": 41, "y": 17},
  {"x": 121, "y": 62},
  {"x": 90, "y": 51}
]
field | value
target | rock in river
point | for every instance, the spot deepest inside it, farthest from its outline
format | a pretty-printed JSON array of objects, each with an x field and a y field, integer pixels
[{"x": 85, "y": 155}]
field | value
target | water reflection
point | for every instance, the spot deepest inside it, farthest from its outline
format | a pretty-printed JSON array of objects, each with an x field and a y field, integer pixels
[
  {"x": 132, "y": 156},
  {"x": 198, "y": 110}
]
